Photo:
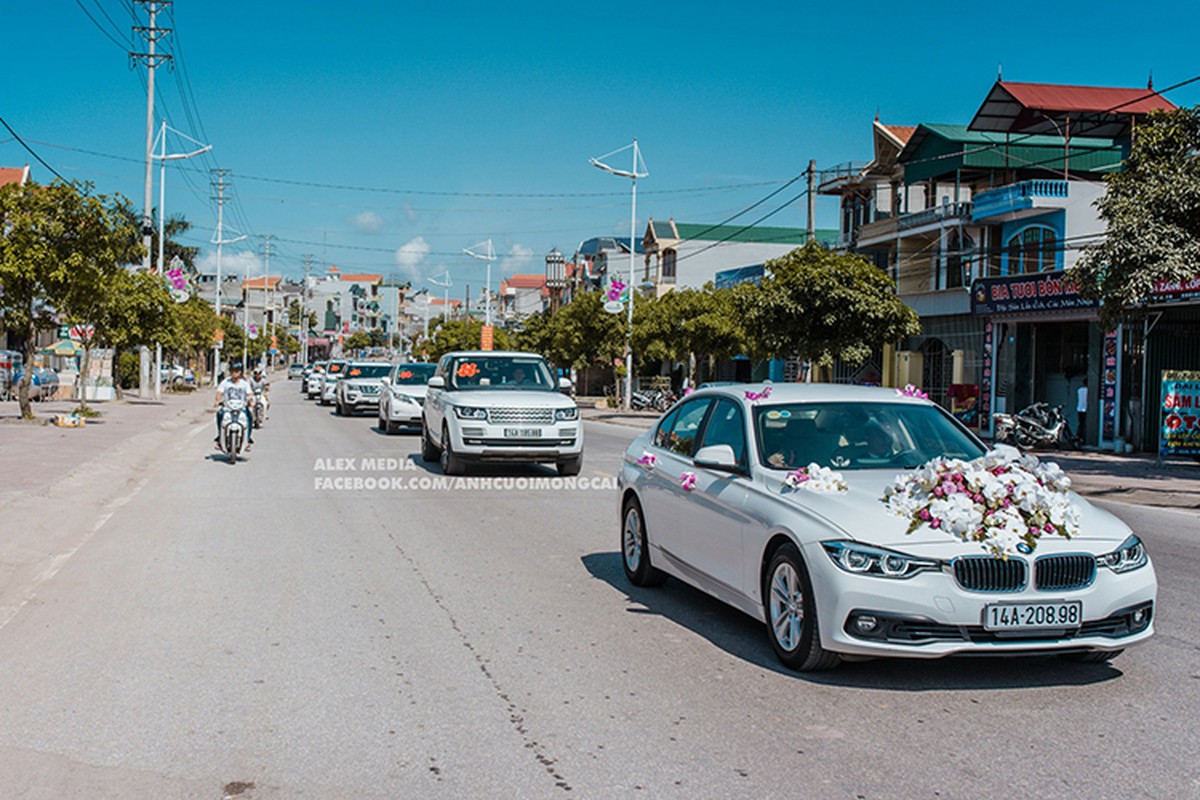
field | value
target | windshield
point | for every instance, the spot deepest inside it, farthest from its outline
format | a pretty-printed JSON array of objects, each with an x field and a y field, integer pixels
[
  {"x": 413, "y": 374},
  {"x": 849, "y": 436},
  {"x": 367, "y": 370},
  {"x": 528, "y": 373},
  {"x": 336, "y": 366}
]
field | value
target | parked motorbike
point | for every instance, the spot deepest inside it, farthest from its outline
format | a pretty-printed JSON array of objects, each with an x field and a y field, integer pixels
[
  {"x": 1036, "y": 426},
  {"x": 233, "y": 429},
  {"x": 657, "y": 399}
]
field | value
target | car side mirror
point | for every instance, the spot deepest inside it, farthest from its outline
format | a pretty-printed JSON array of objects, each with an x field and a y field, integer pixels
[
  {"x": 719, "y": 457},
  {"x": 436, "y": 382},
  {"x": 565, "y": 385}
]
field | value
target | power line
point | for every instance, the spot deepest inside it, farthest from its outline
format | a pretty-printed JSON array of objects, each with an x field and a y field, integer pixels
[
  {"x": 99, "y": 27},
  {"x": 31, "y": 151}
]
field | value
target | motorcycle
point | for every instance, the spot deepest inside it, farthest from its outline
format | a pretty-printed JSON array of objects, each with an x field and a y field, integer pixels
[
  {"x": 233, "y": 429},
  {"x": 1038, "y": 425},
  {"x": 657, "y": 399},
  {"x": 260, "y": 408}
]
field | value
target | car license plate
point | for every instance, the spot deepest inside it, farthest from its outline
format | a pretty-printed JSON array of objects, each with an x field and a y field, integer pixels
[
  {"x": 1032, "y": 616},
  {"x": 522, "y": 433}
]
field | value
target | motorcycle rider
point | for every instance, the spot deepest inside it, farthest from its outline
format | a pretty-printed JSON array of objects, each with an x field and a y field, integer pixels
[
  {"x": 261, "y": 388},
  {"x": 235, "y": 387}
]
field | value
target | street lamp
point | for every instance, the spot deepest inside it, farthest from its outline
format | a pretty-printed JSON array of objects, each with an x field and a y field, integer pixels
[
  {"x": 633, "y": 175},
  {"x": 556, "y": 278},
  {"x": 445, "y": 284},
  {"x": 489, "y": 256},
  {"x": 163, "y": 157}
]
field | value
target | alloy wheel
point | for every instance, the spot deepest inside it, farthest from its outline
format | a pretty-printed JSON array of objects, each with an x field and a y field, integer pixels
[{"x": 786, "y": 606}]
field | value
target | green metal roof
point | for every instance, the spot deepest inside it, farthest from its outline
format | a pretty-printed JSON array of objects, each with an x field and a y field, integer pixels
[
  {"x": 757, "y": 234},
  {"x": 938, "y": 150}
]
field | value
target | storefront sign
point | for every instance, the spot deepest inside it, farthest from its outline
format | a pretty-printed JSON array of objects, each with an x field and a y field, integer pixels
[
  {"x": 1176, "y": 291},
  {"x": 985, "y": 383},
  {"x": 1180, "y": 433},
  {"x": 1048, "y": 291},
  {"x": 1108, "y": 386}
]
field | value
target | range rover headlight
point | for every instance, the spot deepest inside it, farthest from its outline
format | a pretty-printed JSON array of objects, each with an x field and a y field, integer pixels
[
  {"x": 1129, "y": 556},
  {"x": 469, "y": 412},
  {"x": 566, "y": 414},
  {"x": 861, "y": 559}
]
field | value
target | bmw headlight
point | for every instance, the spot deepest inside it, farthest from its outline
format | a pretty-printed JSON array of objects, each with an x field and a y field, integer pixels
[
  {"x": 1129, "y": 556},
  {"x": 566, "y": 414},
  {"x": 860, "y": 559},
  {"x": 468, "y": 412}
]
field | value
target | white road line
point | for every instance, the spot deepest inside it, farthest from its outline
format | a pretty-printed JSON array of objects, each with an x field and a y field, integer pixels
[{"x": 56, "y": 563}]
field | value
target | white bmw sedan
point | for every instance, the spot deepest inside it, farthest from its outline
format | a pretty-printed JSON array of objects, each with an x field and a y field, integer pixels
[{"x": 859, "y": 522}]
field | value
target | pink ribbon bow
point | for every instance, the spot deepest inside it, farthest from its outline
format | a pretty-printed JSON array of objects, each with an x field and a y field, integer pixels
[{"x": 688, "y": 481}]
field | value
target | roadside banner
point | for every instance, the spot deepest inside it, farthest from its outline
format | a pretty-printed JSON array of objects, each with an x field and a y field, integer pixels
[
  {"x": 1180, "y": 414},
  {"x": 486, "y": 337}
]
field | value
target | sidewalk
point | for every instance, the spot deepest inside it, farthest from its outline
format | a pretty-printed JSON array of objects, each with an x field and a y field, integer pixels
[{"x": 1135, "y": 479}]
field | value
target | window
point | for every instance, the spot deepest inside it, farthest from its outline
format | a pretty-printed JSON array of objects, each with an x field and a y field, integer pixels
[
  {"x": 726, "y": 426},
  {"x": 678, "y": 431},
  {"x": 1031, "y": 250},
  {"x": 668, "y": 266}
]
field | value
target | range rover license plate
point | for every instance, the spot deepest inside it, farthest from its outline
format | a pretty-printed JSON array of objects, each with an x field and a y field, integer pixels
[
  {"x": 1032, "y": 616},
  {"x": 522, "y": 433}
]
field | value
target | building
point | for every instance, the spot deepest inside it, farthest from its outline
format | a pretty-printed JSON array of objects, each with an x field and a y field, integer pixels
[
  {"x": 690, "y": 255},
  {"x": 522, "y": 295}
]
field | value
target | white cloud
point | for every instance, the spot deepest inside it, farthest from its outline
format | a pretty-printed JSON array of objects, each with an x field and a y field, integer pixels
[
  {"x": 517, "y": 257},
  {"x": 410, "y": 255},
  {"x": 246, "y": 263},
  {"x": 368, "y": 222}
]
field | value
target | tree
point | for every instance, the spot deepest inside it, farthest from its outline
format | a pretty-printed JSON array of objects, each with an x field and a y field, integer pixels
[
  {"x": 359, "y": 340},
  {"x": 459, "y": 334},
  {"x": 585, "y": 334},
  {"x": 688, "y": 323},
  {"x": 61, "y": 248},
  {"x": 1152, "y": 208},
  {"x": 823, "y": 306}
]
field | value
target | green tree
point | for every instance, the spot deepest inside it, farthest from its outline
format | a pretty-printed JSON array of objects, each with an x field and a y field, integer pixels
[
  {"x": 686, "y": 324},
  {"x": 586, "y": 335},
  {"x": 135, "y": 311},
  {"x": 359, "y": 340},
  {"x": 1152, "y": 208},
  {"x": 460, "y": 334},
  {"x": 823, "y": 306},
  {"x": 60, "y": 250}
]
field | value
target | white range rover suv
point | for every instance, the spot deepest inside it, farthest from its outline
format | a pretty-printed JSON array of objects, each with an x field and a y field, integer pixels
[{"x": 499, "y": 406}]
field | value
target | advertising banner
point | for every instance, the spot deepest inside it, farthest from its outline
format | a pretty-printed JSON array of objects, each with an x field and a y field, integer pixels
[
  {"x": 1014, "y": 294},
  {"x": 1180, "y": 433},
  {"x": 1109, "y": 381}
]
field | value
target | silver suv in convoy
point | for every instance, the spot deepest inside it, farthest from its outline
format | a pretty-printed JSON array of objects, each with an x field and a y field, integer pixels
[
  {"x": 499, "y": 406},
  {"x": 359, "y": 387}
]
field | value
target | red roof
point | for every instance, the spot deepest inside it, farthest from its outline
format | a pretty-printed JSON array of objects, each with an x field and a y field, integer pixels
[
  {"x": 362, "y": 278},
  {"x": 528, "y": 281},
  {"x": 16, "y": 175},
  {"x": 1044, "y": 108},
  {"x": 438, "y": 301},
  {"x": 261, "y": 283},
  {"x": 901, "y": 132}
]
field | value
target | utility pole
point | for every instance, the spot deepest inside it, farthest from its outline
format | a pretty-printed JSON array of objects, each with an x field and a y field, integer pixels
[
  {"x": 304, "y": 310},
  {"x": 811, "y": 229},
  {"x": 151, "y": 58},
  {"x": 219, "y": 240},
  {"x": 266, "y": 288}
]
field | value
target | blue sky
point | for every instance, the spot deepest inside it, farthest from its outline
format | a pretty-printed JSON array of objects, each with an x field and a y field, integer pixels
[{"x": 443, "y": 118}]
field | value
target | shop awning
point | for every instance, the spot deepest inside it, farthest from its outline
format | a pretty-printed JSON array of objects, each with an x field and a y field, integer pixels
[{"x": 63, "y": 347}]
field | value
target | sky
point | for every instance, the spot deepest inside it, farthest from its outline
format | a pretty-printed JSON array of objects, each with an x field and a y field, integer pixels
[{"x": 386, "y": 137}]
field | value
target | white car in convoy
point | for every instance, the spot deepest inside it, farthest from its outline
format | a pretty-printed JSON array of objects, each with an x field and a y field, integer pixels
[
  {"x": 359, "y": 387},
  {"x": 403, "y": 396},
  {"x": 311, "y": 386},
  {"x": 722, "y": 494},
  {"x": 499, "y": 406},
  {"x": 327, "y": 386}
]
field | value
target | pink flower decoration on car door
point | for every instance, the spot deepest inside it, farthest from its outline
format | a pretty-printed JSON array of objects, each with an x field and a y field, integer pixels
[
  {"x": 648, "y": 460},
  {"x": 688, "y": 481}
]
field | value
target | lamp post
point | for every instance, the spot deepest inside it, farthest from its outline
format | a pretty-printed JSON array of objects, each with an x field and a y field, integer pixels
[
  {"x": 445, "y": 284},
  {"x": 163, "y": 157},
  {"x": 489, "y": 256},
  {"x": 556, "y": 279},
  {"x": 633, "y": 175}
]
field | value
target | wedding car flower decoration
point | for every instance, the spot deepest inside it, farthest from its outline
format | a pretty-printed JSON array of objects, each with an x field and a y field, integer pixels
[
  {"x": 468, "y": 370},
  {"x": 763, "y": 395},
  {"x": 815, "y": 478},
  {"x": 1004, "y": 500},
  {"x": 688, "y": 481},
  {"x": 912, "y": 391},
  {"x": 648, "y": 460}
]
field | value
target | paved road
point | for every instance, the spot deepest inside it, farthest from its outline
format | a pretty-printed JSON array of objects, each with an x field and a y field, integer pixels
[{"x": 225, "y": 626}]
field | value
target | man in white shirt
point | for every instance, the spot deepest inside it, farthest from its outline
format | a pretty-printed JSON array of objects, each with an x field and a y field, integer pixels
[
  {"x": 237, "y": 388},
  {"x": 1081, "y": 407}
]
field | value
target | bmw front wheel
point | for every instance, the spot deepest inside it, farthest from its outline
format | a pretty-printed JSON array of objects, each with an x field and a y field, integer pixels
[{"x": 791, "y": 613}]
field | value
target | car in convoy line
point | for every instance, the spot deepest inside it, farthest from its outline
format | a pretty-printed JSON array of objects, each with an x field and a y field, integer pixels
[
  {"x": 310, "y": 387},
  {"x": 359, "y": 387},
  {"x": 499, "y": 406},
  {"x": 295, "y": 370},
  {"x": 329, "y": 379},
  {"x": 711, "y": 495},
  {"x": 403, "y": 396}
]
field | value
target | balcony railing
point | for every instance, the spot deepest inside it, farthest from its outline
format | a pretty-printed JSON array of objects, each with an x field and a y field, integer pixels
[
  {"x": 931, "y": 215},
  {"x": 1019, "y": 196}
]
